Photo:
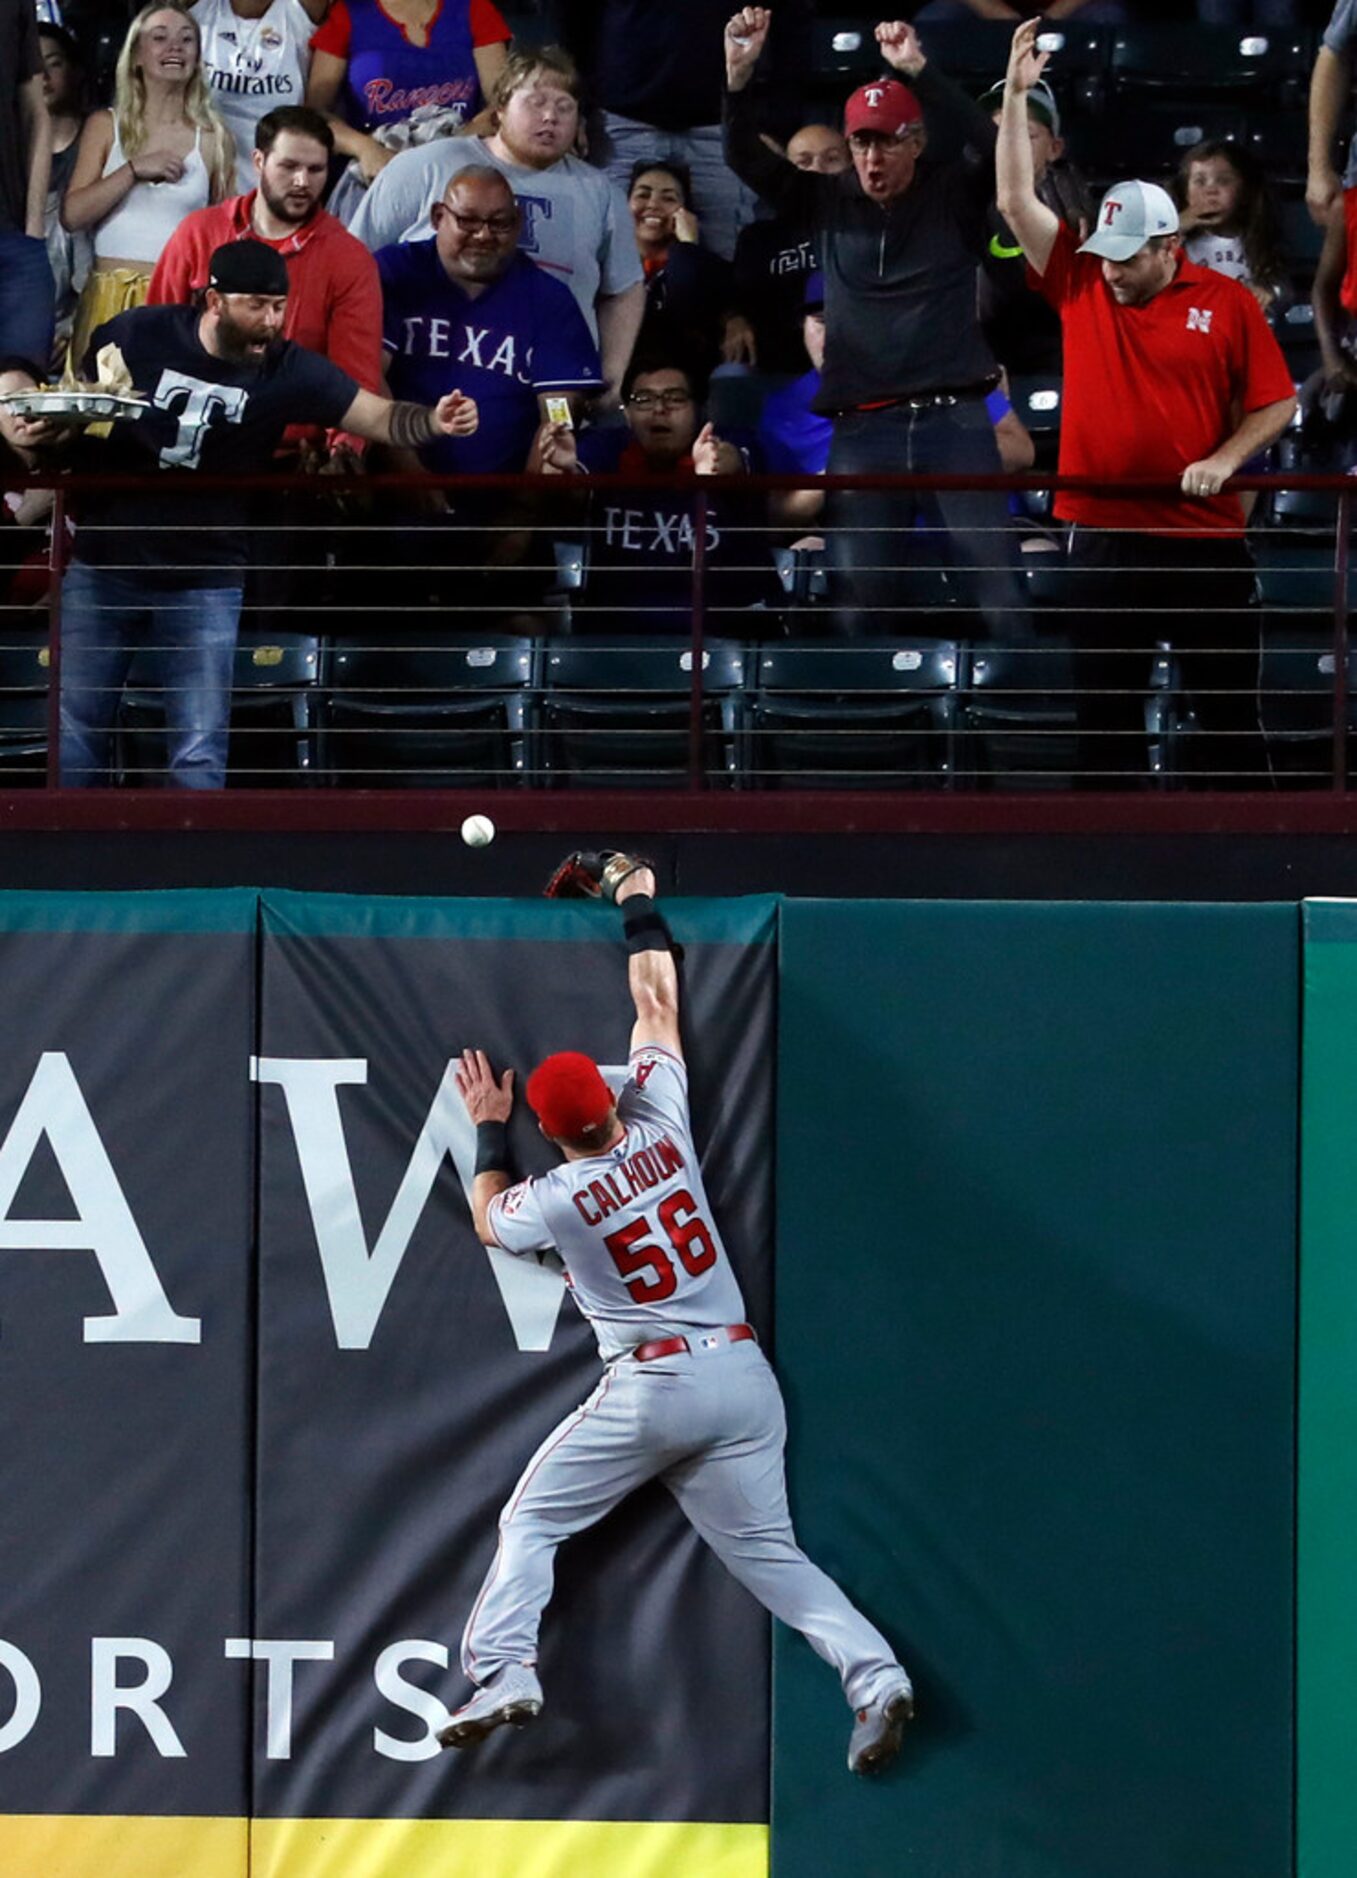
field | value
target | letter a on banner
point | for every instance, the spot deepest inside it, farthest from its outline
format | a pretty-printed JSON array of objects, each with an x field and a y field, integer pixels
[
  {"x": 54, "y": 1106},
  {"x": 358, "y": 1281}
]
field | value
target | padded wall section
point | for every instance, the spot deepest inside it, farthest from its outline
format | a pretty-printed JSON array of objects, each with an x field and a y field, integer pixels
[
  {"x": 126, "y": 1382},
  {"x": 1326, "y": 1656},
  {"x": 406, "y": 1376},
  {"x": 1036, "y": 1322}
]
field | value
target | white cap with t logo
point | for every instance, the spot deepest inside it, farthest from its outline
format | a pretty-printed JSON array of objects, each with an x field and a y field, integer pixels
[{"x": 1129, "y": 215}]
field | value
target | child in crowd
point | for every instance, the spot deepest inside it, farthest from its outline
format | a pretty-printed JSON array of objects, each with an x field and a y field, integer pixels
[{"x": 1228, "y": 219}]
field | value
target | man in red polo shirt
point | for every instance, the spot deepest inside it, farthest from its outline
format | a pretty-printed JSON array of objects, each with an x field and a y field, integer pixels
[
  {"x": 1171, "y": 372},
  {"x": 334, "y": 303}
]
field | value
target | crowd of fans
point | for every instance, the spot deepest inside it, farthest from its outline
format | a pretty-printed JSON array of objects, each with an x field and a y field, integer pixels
[{"x": 591, "y": 231}]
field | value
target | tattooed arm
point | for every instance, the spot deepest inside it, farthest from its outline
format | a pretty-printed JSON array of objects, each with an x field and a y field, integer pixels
[{"x": 381, "y": 420}]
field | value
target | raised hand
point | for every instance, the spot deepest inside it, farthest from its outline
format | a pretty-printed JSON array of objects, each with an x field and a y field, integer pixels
[
  {"x": 685, "y": 225},
  {"x": 705, "y": 448},
  {"x": 456, "y": 416},
  {"x": 746, "y": 32},
  {"x": 900, "y": 47},
  {"x": 487, "y": 1099},
  {"x": 1025, "y": 63},
  {"x": 553, "y": 451},
  {"x": 739, "y": 345},
  {"x": 712, "y": 457}
]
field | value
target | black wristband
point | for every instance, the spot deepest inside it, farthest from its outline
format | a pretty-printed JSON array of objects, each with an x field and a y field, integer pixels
[
  {"x": 492, "y": 1148},
  {"x": 644, "y": 927}
]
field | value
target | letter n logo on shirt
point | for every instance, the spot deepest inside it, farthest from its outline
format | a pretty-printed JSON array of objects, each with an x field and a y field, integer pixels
[{"x": 1199, "y": 319}]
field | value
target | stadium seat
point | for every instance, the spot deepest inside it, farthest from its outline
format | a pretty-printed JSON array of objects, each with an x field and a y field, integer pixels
[
  {"x": 1148, "y": 136},
  {"x": 1296, "y": 336},
  {"x": 454, "y": 714},
  {"x": 844, "y": 47},
  {"x": 24, "y": 666},
  {"x": 973, "y": 52},
  {"x": 1195, "y": 60},
  {"x": 273, "y": 694},
  {"x": 1302, "y": 239},
  {"x": 1038, "y": 401},
  {"x": 1278, "y": 138},
  {"x": 617, "y": 713},
  {"x": 1296, "y": 674},
  {"x": 273, "y": 689},
  {"x": 853, "y": 715},
  {"x": 1017, "y": 720},
  {"x": 735, "y": 400}
]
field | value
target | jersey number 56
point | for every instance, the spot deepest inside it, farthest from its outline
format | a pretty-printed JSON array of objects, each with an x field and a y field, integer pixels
[{"x": 635, "y": 1249}]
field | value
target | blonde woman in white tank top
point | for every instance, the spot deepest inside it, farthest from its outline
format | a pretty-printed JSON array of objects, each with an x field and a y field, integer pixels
[{"x": 158, "y": 155}]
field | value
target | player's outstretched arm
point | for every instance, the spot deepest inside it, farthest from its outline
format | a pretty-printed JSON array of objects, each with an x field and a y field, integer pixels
[
  {"x": 489, "y": 1102},
  {"x": 651, "y": 972}
]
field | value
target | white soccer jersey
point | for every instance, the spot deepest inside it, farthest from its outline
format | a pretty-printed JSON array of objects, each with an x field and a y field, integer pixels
[
  {"x": 633, "y": 1226},
  {"x": 253, "y": 66}
]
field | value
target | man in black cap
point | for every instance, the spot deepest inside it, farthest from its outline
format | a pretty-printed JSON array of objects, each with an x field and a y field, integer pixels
[{"x": 163, "y": 570}]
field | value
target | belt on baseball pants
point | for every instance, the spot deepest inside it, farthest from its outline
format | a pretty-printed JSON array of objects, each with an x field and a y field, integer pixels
[{"x": 680, "y": 1346}]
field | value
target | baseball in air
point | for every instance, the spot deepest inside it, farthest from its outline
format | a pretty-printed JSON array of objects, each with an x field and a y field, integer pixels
[{"x": 478, "y": 831}]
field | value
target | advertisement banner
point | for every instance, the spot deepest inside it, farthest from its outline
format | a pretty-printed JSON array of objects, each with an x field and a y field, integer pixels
[
  {"x": 126, "y": 1381},
  {"x": 407, "y": 1375}
]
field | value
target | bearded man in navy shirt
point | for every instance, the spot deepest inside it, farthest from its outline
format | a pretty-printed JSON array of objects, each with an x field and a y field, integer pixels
[{"x": 164, "y": 569}]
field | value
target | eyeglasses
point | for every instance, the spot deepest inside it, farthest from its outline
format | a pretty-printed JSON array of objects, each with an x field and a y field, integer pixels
[
  {"x": 865, "y": 140},
  {"x": 666, "y": 400},
  {"x": 473, "y": 224}
]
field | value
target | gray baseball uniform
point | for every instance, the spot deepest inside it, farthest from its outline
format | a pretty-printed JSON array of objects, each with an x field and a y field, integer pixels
[{"x": 645, "y": 1263}]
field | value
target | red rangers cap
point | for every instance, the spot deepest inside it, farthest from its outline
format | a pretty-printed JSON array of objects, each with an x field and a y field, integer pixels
[
  {"x": 885, "y": 106},
  {"x": 568, "y": 1095}
]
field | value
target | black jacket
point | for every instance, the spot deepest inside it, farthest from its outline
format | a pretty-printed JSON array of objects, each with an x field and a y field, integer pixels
[{"x": 900, "y": 281}]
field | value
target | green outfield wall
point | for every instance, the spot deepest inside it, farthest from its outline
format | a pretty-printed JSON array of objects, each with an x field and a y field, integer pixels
[
  {"x": 1036, "y": 1316},
  {"x": 1029, "y": 1272},
  {"x": 1326, "y": 1639}
]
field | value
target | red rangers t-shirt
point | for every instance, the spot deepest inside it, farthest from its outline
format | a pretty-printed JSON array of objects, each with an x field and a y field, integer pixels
[{"x": 1149, "y": 389}]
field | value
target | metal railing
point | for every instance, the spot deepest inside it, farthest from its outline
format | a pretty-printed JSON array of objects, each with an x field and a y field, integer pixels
[{"x": 385, "y": 648}]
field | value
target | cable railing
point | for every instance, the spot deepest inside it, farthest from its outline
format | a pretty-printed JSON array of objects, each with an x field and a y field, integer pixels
[{"x": 537, "y": 639}]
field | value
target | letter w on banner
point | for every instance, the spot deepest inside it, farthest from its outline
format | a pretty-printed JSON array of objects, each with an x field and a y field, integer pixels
[
  {"x": 358, "y": 1280},
  {"x": 405, "y": 1378}
]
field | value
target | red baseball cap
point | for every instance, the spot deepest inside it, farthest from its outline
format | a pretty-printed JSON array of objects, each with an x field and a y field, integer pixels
[
  {"x": 568, "y": 1095},
  {"x": 885, "y": 105}
]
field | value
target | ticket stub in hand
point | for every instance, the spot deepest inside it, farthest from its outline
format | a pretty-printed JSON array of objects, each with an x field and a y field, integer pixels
[{"x": 558, "y": 411}]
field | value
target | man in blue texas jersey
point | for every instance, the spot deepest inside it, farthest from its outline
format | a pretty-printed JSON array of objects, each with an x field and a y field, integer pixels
[
  {"x": 468, "y": 302},
  {"x": 687, "y": 1396},
  {"x": 161, "y": 571}
]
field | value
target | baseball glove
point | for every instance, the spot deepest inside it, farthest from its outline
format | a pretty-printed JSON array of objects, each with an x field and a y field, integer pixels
[{"x": 595, "y": 875}]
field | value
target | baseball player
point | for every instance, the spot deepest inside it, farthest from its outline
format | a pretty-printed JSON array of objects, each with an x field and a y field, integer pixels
[{"x": 686, "y": 1393}]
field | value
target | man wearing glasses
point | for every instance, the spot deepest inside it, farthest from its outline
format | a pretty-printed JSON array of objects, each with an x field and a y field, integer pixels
[
  {"x": 907, "y": 370},
  {"x": 639, "y": 578},
  {"x": 468, "y": 302}
]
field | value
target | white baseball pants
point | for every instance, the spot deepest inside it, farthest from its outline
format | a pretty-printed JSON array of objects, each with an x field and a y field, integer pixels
[{"x": 711, "y": 1425}]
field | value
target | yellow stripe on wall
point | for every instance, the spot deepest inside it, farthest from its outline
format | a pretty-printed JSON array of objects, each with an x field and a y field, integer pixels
[
  {"x": 63, "y": 1845},
  {"x": 108, "y": 1846},
  {"x": 505, "y": 1848}
]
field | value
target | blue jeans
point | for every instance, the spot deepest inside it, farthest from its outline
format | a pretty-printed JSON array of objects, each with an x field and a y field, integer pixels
[
  {"x": 721, "y": 202},
  {"x": 27, "y": 300},
  {"x": 184, "y": 640},
  {"x": 873, "y": 531}
]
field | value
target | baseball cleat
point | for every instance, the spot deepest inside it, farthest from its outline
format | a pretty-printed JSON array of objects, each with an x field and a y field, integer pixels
[
  {"x": 877, "y": 1731},
  {"x": 511, "y": 1700}
]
